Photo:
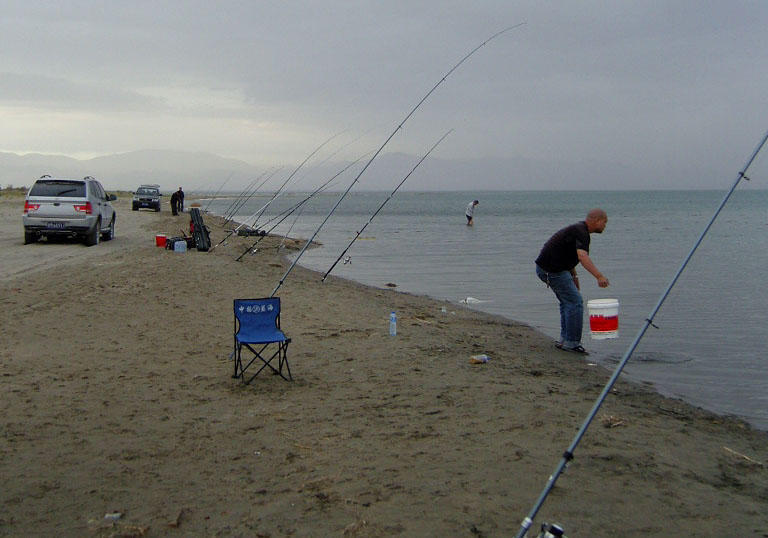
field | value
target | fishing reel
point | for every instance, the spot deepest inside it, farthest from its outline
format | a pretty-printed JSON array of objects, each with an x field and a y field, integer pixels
[{"x": 551, "y": 531}]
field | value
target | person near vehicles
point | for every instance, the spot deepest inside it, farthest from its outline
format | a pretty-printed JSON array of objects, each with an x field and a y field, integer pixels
[
  {"x": 556, "y": 267},
  {"x": 470, "y": 211},
  {"x": 181, "y": 200},
  {"x": 175, "y": 203}
]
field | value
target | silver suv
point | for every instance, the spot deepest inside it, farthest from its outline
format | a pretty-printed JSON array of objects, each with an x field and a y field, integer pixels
[
  {"x": 146, "y": 196},
  {"x": 69, "y": 208}
]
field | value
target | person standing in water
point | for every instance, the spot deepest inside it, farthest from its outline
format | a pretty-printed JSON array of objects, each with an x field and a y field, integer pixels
[
  {"x": 556, "y": 267},
  {"x": 469, "y": 212}
]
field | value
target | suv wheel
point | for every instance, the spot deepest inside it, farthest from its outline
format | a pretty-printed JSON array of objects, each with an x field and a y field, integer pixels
[
  {"x": 135, "y": 207},
  {"x": 92, "y": 238},
  {"x": 30, "y": 237},
  {"x": 110, "y": 233}
]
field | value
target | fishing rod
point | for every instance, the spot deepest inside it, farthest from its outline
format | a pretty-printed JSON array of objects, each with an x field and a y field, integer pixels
[
  {"x": 290, "y": 210},
  {"x": 228, "y": 211},
  {"x": 278, "y": 191},
  {"x": 321, "y": 188},
  {"x": 234, "y": 230},
  {"x": 413, "y": 110},
  {"x": 568, "y": 454},
  {"x": 383, "y": 204},
  {"x": 217, "y": 192},
  {"x": 245, "y": 200},
  {"x": 329, "y": 157},
  {"x": 301, "y": 207}
]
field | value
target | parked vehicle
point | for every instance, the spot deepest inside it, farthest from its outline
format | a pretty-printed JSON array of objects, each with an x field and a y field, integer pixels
[
  {"x": 147, "y": 196},
  {"x": 69, "y": 208}
]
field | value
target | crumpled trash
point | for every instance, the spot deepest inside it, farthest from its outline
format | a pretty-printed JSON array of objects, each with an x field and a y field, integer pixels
[{"x": 479, "y": 359}]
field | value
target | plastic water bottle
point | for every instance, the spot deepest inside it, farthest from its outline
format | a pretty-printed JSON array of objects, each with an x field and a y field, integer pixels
[{"x": 392, "y": 324}]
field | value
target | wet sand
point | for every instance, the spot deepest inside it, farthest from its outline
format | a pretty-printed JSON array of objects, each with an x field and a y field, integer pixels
[{"x": 118, "y": 397}]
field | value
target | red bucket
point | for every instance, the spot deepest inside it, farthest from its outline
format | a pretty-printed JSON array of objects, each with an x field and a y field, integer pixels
[{"x": 160, "y": 240}]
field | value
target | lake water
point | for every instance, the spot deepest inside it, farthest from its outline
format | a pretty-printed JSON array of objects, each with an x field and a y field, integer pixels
[{"x": 710, "y": 345}]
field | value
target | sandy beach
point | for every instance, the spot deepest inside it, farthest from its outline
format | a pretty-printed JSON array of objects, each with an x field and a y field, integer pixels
[{"x": 118, "y": 398}]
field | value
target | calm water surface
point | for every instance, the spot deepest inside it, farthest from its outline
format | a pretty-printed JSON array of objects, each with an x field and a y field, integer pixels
[{"x": 709, "y": 348}]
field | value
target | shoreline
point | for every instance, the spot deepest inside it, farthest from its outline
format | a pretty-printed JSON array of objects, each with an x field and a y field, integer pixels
[{"x": 123, "y": 388}]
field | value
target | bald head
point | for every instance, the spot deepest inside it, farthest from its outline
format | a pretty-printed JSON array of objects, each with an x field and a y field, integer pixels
[{"x": 596, "y": 220}]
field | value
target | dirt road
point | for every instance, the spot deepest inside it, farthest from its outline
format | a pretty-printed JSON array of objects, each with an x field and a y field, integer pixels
[{"x": 132, "y": 228}]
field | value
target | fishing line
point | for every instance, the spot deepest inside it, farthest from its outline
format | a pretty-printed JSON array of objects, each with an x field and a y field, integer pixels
[
  {"x": 383, "y": 204},
  {"x": 229, "y": 211},
  {"x": 217, "y": 192},
  {"x": 234, "y": 211},
  {"x": 290, "y": 210},
  {"x": 413, "y": 110},
  {"x": 278, "y": 191},
  {"x": 568, "y": 454},
  {"x": 233, "y": 231},
  {"x": 301, "y": 207}
]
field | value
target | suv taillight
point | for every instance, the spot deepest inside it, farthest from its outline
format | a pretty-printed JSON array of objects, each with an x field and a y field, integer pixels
[
  {"x": 30, "y": 207},
  {"x": 86, "y": 208}
]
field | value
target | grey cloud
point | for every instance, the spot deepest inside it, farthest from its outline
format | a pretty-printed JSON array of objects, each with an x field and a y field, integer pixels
[{"x": 24, "y": 89}]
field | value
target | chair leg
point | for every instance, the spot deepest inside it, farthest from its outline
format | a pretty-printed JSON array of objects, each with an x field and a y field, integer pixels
[
  {"x": 283, "y": 360},
  {"x": 238, "y": 362}
]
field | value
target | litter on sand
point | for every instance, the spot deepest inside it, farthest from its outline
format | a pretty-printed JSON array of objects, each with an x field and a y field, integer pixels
[{"x": 471, "y": 300}]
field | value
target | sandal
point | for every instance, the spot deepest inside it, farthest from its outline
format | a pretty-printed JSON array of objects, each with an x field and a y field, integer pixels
[{"x": 577, "y": 349}]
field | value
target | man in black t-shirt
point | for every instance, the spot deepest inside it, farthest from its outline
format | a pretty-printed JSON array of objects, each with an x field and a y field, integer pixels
[{"x": 556, "y": 267}]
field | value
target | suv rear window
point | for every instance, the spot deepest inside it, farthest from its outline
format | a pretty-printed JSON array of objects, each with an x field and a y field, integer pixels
[
  {"x": 73, "y": 189},
  {"x": 144, "y": 190}
]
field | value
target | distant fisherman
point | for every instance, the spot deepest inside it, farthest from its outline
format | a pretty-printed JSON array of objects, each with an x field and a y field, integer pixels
[
  {"x": 556, "y": 267},
  {"x": 470, "y": 211}
]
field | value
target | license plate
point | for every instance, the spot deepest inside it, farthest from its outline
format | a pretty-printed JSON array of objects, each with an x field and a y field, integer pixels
[{"x": 54, "y": 225}]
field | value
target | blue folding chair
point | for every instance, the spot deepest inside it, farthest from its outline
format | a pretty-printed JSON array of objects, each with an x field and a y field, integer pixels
[{"x": 257, "y": 326}]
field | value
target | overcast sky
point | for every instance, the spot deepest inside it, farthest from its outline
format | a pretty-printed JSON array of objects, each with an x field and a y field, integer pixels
[{"x": 677, "y": 85}]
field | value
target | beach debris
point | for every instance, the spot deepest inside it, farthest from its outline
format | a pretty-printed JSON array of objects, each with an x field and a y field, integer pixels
[
  {"x": 443, "y": 310},
  {"x": 176, "y": 522},
  {"x": 479, "y": 359},
  {"x": 612, "y": 421},
  {"x": 743, "y": 457},
  {"x": 471, "y": 300},
  {"x": 113, "y": 516},
  {"x": 390, "y": 285},
  {"x": 354, "y": 528},
  {"x": 347, "y": 260}
]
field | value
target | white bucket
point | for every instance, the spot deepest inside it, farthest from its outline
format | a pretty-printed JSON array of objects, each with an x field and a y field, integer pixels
[
  {"x": 180, "y": 246},
  {"x": 603, "y": 318}
]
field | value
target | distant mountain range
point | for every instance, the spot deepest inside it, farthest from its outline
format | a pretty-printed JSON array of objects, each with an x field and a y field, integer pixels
[{"x": 198, "y": 171}]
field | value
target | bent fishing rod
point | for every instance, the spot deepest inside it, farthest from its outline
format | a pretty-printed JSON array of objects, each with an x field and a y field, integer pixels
[
  {"x": 205, "y": 209},
  {"x": 302, "y": 204},
  {"x": 244, "y": 196},
  {"x": 233, "y": 231},
  {"x": 287, "y": 212},
  {"x": 291, "y": 209},
  {"x": 400, "y": 126},
  {"x": 328, "y": 272},
  {"x": 278, "y": 191},
  {"x": 301, "y": 207},
  {"x": 568, "y": 454},
  {"x": 227, "y": 213},
  {"x": 232, "y": 212}
]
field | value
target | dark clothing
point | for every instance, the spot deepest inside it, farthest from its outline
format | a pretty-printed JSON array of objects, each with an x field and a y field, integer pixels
[
  {"x": 175, "y": 203},
  {"x": 181, "y": 200},
  {"x": 559, "y": 253}
]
